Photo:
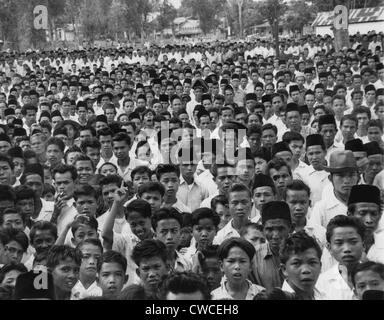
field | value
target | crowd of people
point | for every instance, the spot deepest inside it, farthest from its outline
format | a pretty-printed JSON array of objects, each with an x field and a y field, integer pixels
[{"x": 215, "y": 171}]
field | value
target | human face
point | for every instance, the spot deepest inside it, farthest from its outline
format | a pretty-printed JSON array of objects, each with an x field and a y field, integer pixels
[
  {"x": 277, "y": 103},
  {"x": 245, "y": 169},
  {"x": 35, "y": 182},
  {"x": 236, "y": 266},
  {"x": 225, "y": 178},
  {"x": 297, "y": 149},
  {"x": 346, "y": 246},
  {"x": 106, "y": 144},
  {"x": 168, "y": 232},
  {"x": 240, "y": 205},
  {"x": 339, "y": 107},
  {"x": 121, "y": 150},
  {"x": 268, "y": 138},
  {"x": 328, "y": 131},
  {"x": 226, "y": 116},
  {"x": 369, "y": 214},
  {"x": 87, "y": 205},
  {"x": 26, "y": 206},
  {"x": 91, "y": 254},
  {"x": 151, "y": 272},
  {"x": 260, "y": 165},
  {"x": 111, "y": 279},
  {"x": 37, "y": 145},
  {"x": 210, "y": 268},
  {"x": 281, "y": 178},
  {"x": 380, "y": 113},
  {"x": 374, "y": 134},
  {"x": 367, "y": 280},
  {"x": 140, "y": 226},
  {"x": 375, "y": 166},
  {"x": 10, "y": 278},
  {"x": 13, "y": 252},
  {"x": 5, "y": 173},
  {"x": 343, "y": 182},
  {"x": 316, "y": 156},
  {"x": 108, "y": 170},
  {"x": 4, "y": 147},
  {"x": 254, "y": 141},
  {"x": 65, "y": 275},
  {"x": 84, "y": 171},
  {"x": 293, "y": 120},
  {"x": 276, "y": 231},
  {"x": 108, "y": 192},
  {"x": 302, "y": 270},
  {"x": 204, "y": 233},
  {"x": 84, "y": 232},
  {"x": 348, "y": 130},
  {"x": 64, "y": 184},
  {"x": 43, "y": 241},
  {"x": 224, "y": 214},
  {"x": 170, "y": 181},
  {"x": 298, "y": 202},
  {"x": 254, "y": 236},
  {"x": 54, "y": 155},
  {"x": 13, "y": 221},
  {"x": 263, "y": 195},
  {"x": 154, "y": 199}
]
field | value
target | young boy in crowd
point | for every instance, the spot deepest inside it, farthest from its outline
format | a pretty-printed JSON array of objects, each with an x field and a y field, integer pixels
[
  {"x": 91, "y": 252},
  {"x": 209, "y": 266},
  {"x": 300, "y": 259},
  {"x": 263, "y": 191},
  {"x": 151, "y": 258},
  {"x": 253, "y": 233},
  {"x": 236, "y": 256},
  {"x": 111, "y": 269},
  {"x": 367, "y": 276},
  {"x": 204, "y": 228},
  {"x": 63, "y": 263},
  {"x": 345, "y": 242},
  {"x": 153, "y": 193},
  {"x": 167, "y": 224},
  {"x": 14, "y": 244},
  {"x": 220, "y": 205},
  {"x": 10, "y": 272}
]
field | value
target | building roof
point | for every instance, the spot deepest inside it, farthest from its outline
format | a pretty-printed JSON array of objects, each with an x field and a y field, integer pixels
[{"x": 355, "y": 16}]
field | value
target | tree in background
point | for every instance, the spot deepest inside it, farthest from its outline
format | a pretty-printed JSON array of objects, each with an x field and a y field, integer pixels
[
  {"x": 168, "y": 13},
  {"x": 207, "y": 12},
  {"x": 299, "y": 14},
  {"x": 273, "y": 11}
]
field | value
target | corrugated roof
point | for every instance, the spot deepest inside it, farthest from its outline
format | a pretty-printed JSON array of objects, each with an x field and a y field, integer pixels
[{"x": 355, "y": 16}]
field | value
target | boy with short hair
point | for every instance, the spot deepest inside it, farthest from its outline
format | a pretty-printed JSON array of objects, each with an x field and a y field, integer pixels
[
  {"x": 367, "y": 276},
  {"x": 167, "y": 224},
  {"x": 253, "y": 233},
  {"x": 63, "y": 263},
  {"x": 300, "y": 259},
  {"x": 209, "y": 266},
  {"x": 111, "y": 269},
  {"x": 91, "y": 251},
  {"x": 150, "y": 256},
  {"x": 55, "y": 151},
  {"x": 10, "y": 272},
  {"x": 153, "y": 193},
  {"x": 345, "y": 242},
  {"x": 236, "y": 256},
  {"x": 220, "y": 205},
  {"x": 263, "y": 191}
]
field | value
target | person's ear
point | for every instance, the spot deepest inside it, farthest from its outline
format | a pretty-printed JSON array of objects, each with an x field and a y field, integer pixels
[
  {"x": 222, "y": 266},
  {"x": 284, "y": 270},
  {"x": 328, "y": 246},
  {"x": 126, "y": 278}
]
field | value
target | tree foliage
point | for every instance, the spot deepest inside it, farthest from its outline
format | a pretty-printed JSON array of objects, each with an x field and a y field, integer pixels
[{"x": 299, "y": 14}]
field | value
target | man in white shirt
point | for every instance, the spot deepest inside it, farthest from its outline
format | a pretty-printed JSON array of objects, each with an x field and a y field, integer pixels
[{"x": 344, "y": 175}]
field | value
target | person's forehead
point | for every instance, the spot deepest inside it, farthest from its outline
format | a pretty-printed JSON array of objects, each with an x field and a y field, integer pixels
[
  {"x": 168, "y": 223},
  {"x": 345, "y": 232},
  {"x": 276, "y": 223},
  {"x": 263, "y": 189},
  {"x": 11, "y": 216}
]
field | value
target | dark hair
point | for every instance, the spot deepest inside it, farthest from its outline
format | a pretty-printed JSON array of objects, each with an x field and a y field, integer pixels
[
  {"x": 344, "y": 221},
  {"x": 277, "y": 164},
  {"x": 140, "y": 206},
  {"x": 133, "y": 292},
  {"x": 122, "y": 137},
  {"x": 141, "y": 170},
  {"x": 148, "y": 249},
  {"x": 221, "y": 199},
  {"x": 84, "y": 220},
  {"x": 63, "y": 168},
  {"x": 151, "y": 187},
  {"x": 269, "y": 126},
  {"x": 84, "y": 190},
  {"x": 7, "y": 193},
  {"x": 90, "y": 241},
  {"x": 228, "y": 244},
  {"x": 43, "y": 226},
  {"x": 83, "y": 157},
  {"x": 367, "y": 266},
  {"x": 298, "y": 243},
  {"x": 205, "y": 213},
  {"x": 112, "y": 257},
  {"x": 167, "y": 168},
  {"x": 90, "y": 143},
  {"x": 4, "y": 158},
  {"x": 61, "y": 253},
  {"x": 185, "y": 282},
  {"x": 10, "y": 267},
  {"x": 297, "y": 185},
  {"x": 56, "y": 141},
  {"x": 113, "y": 179},
  {"x": 15, "y": 235},
  {"x": 239, "y": 187},
  {"x": 165, "y": 214}
]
